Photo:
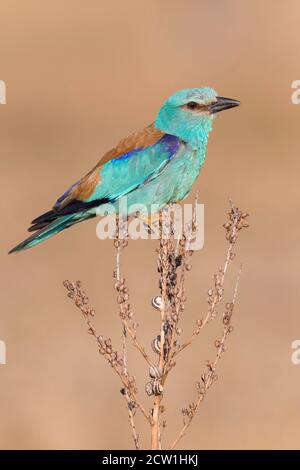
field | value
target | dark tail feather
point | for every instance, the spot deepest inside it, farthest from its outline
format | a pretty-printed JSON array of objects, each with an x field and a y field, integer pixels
[{"x": 50, "y": 229}]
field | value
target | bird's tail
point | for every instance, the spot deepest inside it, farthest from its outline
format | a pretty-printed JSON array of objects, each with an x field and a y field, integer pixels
[{"x": 50, "y": 229}]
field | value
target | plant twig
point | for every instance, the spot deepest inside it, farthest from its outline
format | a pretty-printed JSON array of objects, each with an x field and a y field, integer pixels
[
  {"x": 125, "y": 310},
  {"x": 155, "y": 426},
  {"x": 105, "y": 348},
  {"x": 131, "y": 405},
  {"x": 236, "y": 221},
  {"x": 207, "y": 379},
  {"x": 174, "y": 255}
]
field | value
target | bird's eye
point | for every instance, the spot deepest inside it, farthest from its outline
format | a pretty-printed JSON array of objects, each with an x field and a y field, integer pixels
[{"x": 192, "y": 105}]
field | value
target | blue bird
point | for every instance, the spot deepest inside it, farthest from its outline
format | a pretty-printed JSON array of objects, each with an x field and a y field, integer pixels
[{"x": 153, "y": 167}]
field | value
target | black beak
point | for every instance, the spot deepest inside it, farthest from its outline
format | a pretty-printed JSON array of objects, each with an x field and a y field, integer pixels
[{"x": 222, "y": 103}]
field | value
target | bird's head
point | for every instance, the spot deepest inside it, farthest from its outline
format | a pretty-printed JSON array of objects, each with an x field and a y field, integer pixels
[{"x": 189, "y": 113}]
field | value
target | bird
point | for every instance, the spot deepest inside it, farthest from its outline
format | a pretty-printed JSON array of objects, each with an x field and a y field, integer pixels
[{"x": 155, "y": 166}]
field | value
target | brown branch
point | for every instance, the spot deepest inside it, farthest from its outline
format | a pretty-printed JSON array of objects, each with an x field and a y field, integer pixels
[
  {"x": 172, "y": 256},
  {"x": 125, "y": 311},
  {"x": 162, "y": 260},
  {"x": 236, "y": 222},
  {"x": 136, "y": 343},
  {"x": 105, "y": 348},
  {"x": 126, "y": 392},
  {"x": 210, "y": 377},
  {"x": 173, "y": 265}
]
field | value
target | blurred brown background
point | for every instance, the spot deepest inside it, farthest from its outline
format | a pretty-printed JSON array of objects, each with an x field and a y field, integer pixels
[{"x": 80, "y": 75}]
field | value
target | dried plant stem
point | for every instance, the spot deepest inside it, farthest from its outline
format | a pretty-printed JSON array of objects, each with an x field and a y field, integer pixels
[
  {"x": 135, "y": 435},
  {"x": 155, "y": 426},
  {"x": 216, "y": 295},
  {"x": 127, "y": 396},
  {"x": 171, "y": 256},
  {"x": 136, "y": 343},
  {"x": 81, "y": 301},
  {"x": 215, "y": 301},
  {"x": 155, "y": 441},
  {"x": 125, "y": 328},
  {"x": 123, "y": 297},
  {"x": 210, "y": 377},
  {"x": 179, "y": 308},
  {"x": 173, "y": 265}
]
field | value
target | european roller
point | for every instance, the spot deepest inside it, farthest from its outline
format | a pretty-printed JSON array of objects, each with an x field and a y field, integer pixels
[{"x": 153, "y": 167}]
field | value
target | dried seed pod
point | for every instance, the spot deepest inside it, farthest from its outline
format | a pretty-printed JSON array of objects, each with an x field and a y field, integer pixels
[
  {"x": 178, "y": 260},
  {"x": 154, "y": 372},
  {"x": 132, "y": 405},
  {"x": 156, "y": 302}
]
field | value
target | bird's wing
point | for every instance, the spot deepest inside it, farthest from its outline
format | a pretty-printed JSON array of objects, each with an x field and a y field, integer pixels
[{"x": 130, "y": 164}]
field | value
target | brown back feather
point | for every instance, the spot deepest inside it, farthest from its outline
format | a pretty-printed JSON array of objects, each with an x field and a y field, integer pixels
[{"x": 141, "y": 139}]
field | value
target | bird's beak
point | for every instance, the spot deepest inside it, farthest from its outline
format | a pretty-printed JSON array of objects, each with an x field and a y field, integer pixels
[{"x": 221, "y": 104}]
